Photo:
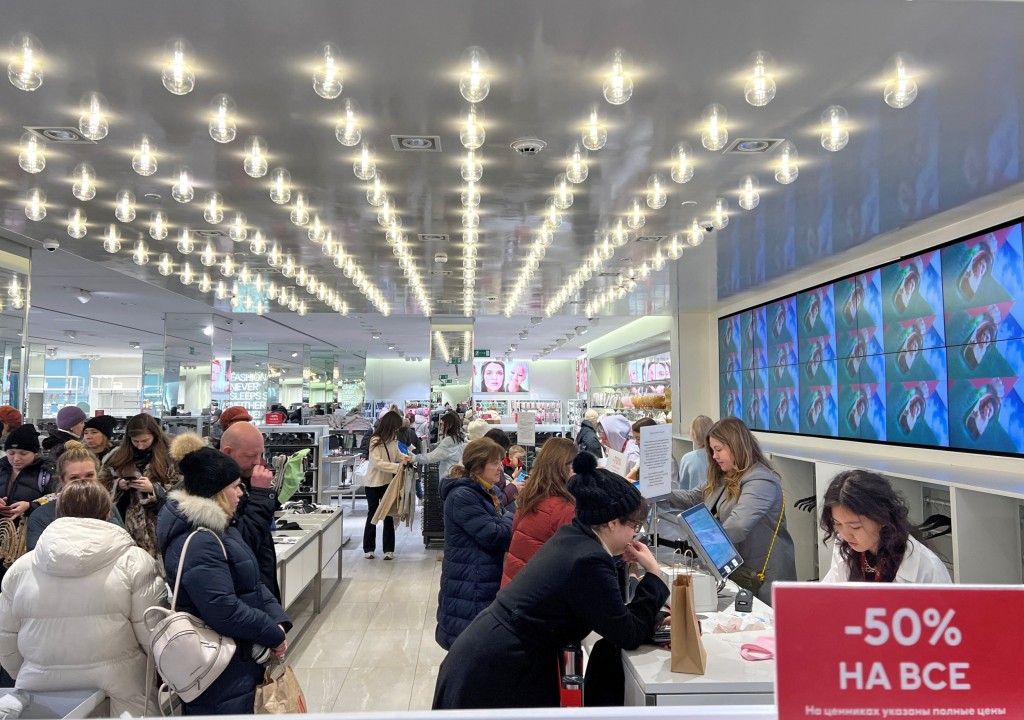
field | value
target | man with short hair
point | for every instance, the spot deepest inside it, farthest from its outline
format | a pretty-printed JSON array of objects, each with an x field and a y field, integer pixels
[{"x": 243, "y": 442}]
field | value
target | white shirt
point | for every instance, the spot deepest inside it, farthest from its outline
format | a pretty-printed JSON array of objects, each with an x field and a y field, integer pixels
[{"x": 920, "y": 565}]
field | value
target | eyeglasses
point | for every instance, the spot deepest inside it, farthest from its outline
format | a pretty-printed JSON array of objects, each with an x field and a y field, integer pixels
[{"x": 637, "y": 526}]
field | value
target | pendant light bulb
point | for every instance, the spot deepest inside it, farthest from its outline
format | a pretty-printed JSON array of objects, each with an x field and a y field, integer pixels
[
  {"x": 719, "y": 213},
  {"x": 376, "y": 193},
  {"x": 562, "y": 197},
  {"x": 636, "y": 220},
  {"x": 470, "y": 195},
  {"x": 675, "y": 247},
  {"x": 300, "y": 213},
  {"x": 182, "y": 190},
  {"x": 474, "y": 84},
  {"x": 222, "y": 119},
  {"x": 618, "y": 87},
  {"x": 280, "y": 186},
  {"x": 327, "y": 81},
  {"x": 205, "y": 283},
  {"x": 140, "y": 255},
  {"x": 349, "y": 131},
  {"x": 619, "y": 236},
  {"x": 901, "y": 89},
  {"x": 656, "y": 195},
  {"x": 185, "y": 242},
  {"x": 178, "y": 75},
  {"x": 112, "y": 239},
  {"x": 35, "y": 205},
  {"x": 32, "y": 155},
  {"x": 595, "y": 135},
  {"x": 77, "y": 227},
  {"x": 125, "y": 210},
  {"x": 834, "y": 131},
  {"x": 208, "y": 256},
  {"x": 789, "y": 164},
  {"x": 695, "y": 236},
  {"x": 364, "y": 166},
  {"x": 84, "y": 182},
  {"x": 237, "y": 230},
  {"x": 682, "y": 163},
  {"x": 576, "y": 169},
  {"x": 144, "y": 160},
  {"x": 158, "y": 225},
  {"x": 255, "y": 163},
  {"x": 760, "y": 87},
  {"x": 258, "y": 245},
  {"x": 92, "y": 123},
  {"x": 227, "y": 265},
  {"x": 472, "y": 168},
  {"x": 316, "y": 230},
  {"x": 714, "y": 135},
  {"x": 25, "y": 70},
  {"x": 472, "y": 133},
  {"x": 749, "y": 196},
  {"x": 165, "y": 265},
  {"x": 187, "y": 276}
]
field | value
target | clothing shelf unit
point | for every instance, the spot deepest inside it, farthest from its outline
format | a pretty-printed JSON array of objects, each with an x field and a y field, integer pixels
[
  {"x": 289, "y": 439},
  {"x": 985, "y": 507}
]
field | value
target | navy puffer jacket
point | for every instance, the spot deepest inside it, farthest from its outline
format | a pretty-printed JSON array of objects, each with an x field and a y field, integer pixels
[
  {"x": 476, "y": 537},
  {"x": 227, "y": 594}
]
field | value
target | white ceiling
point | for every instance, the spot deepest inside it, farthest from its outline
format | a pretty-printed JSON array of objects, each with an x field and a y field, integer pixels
[{"x": 958, "y": 142}]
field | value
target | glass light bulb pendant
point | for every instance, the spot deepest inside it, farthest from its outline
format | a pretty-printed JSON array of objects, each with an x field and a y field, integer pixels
[
  {"x": 125, "y": 210},
  {"x": 208, "y": 256},
  {"x": 682, "y": 163},
  {"x": 77, "y": 227},
  {"x": 300, "y": 213},
  {"x": 636, "y": 220},
  {"x": 227, "y": 265},
  {"x": 185, "y": 242},
  {"x": 187, "y": 276},
  {"x": 280, "y": 186},
  {"x": 328, "y": 246},
  {"x": 255, "y": 163},
  {"x": 165, "y": 266},
  {"x": 618, "y": 87},
  {"x": 205, "y": 283},
  {"x": 719, "y": 213},
  {"x": 349, "y": 131},
  {"x": 237, "y": 230},
  {"x": 563, "y": 193},
  {"x": 327, "y": 81},
  {"x": 92, "y": 123},
  {"x": 834, "y": 131},
  {"x": 35, "y": 205},
  {"x": 213, "y": 209},
  {"x": 901, "y": 89},
  {"x": 274, "y": 255},
  {"x": 552, "y": 216},
  {"x": 714, "y": 134},
  {"x": 675, "y": 247},
  {"x": 789, "y": 164},
  {"x": 182, "y": 190},
  {"x": 364, "y": 166},
  {"x": 25, "y": 70},
  {"x": 222, "y": 119},
  {"x": 112, "y": 239},
  {"x": 472, "y": 133},
  {"x": 178, "y": 75},
  {"x": 619, "y": 235},
  {"x": 595, "y": 134},
  {"x": 386, "y": 212},
  {"x": 258, "y": 244},
  {"x": 760, "y": 87},
  {"x": 695, "y": 235},
  {"x": 140, "y": 254},
  {"x": 470, "y": 195},
  {"x": 474, "y": 84},
  {"x": 144, "y": 160},
  {"x": 32, "y": 155},
  {"x": 576, "y": 169},
  {"x": 316, "y": 231},
  {"x": 245, "y": 274},
  {"x": 158, "y": 225},
  {"x": 749, "y": 196},
  {"x": 376, "y": 194},
  {"x": 470, "y": 219},
  {"x": 472, "y": 168},
  {"x": 658, "y": 260},
  {"x": 84, "y": 182},
  {"x": 656, "y": 195}
]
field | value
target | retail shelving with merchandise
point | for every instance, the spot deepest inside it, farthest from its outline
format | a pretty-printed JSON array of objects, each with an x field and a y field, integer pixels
[
  {"x": 290, "y": 438},
  {"x": 375, "y": 409},
  {"x": 496, "y": 406},
  {"x": 417, "y": 407},
  {"x": 575, "y": 410},
  {"x": 547, "y": 412},
  {"x": 177, "y": 424}
]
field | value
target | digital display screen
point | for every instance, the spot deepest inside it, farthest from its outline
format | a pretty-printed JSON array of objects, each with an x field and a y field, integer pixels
[
  {"x": 927, "y": 350},
  {"x": 710, "y": 535},
  {"x": 498, "y": 376}
]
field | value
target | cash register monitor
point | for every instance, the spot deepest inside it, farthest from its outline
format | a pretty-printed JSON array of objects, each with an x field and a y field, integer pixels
[{"x": 710, "y": 543}]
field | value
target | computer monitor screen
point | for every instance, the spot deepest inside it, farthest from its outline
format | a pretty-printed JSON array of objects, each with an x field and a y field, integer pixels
[{"x": 712, "y": 545}]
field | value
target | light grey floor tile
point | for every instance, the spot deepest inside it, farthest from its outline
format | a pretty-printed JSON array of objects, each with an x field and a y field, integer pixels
[
  {"x": 369, "y": 689},
  {"x": 388, "y": 648},
  {"x": 398, "y": 616},
  {"x": 430, "y": 652},
  {"x": 323, "y": 649},
  {"x": 320, "y": 686},
  {"x": 423, "y": 687}
]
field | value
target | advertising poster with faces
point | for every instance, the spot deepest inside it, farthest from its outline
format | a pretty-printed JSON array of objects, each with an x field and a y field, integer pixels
[
  {"x": 754, "y": 359},
  {"x": 817, "y": 347},
  {"x": 497, "y": 376},
  {"x": 783, "y": 366},
  {"x": 731, "y": 379},
  {"x": 654, "y": 369},
  {"x": 860, "y": 371}
]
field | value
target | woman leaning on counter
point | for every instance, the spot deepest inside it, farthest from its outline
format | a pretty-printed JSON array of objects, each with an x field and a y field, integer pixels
[
  {"x": 745, "y": 493},
  {"x": 874, "y": 540}
]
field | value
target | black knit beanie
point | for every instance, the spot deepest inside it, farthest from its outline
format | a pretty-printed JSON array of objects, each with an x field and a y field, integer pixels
[
  {"x": 601, "y": 495},
  {"x": 104, "y": 423},
  {"x": 207, "y": 471},
  {"x": 25, "y": 437}
]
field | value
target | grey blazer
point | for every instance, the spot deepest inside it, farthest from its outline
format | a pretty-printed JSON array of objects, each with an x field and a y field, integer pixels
[{"x": 750, "y": 522}]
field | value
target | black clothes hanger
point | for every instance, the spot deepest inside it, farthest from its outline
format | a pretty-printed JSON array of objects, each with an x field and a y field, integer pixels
[
  {"x": 933, "y": 522},
  {"x": 806, "y": 504}
]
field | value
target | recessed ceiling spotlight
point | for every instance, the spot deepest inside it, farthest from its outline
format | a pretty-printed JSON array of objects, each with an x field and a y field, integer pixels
[
  {"x": 523, "y": 335},
  {"x": 295, "y": 354},
  {"x": 375, "y": 335},
  {"x": 581, "y": 329},
  {"x": 135, "y": 344},
  {"x": 71, "y": 334},
  {"x": 391, "y": 346}
]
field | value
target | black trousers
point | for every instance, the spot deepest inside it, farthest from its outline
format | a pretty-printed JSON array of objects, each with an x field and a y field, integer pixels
[{"x": 373, "y": 497}]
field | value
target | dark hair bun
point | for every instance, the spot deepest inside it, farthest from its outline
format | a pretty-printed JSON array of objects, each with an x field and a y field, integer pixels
[{"x": 584, "y": 462}]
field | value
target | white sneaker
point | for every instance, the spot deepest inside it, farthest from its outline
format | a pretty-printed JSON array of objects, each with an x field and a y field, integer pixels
[
  {"x": 389, "y": 556},
  {"x": 369, "y": 556}
]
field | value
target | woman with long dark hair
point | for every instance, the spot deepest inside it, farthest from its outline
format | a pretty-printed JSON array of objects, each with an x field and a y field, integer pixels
[
  {"x": 874, "y": 539},
  {"x": 385, "y": 462},
  {"x": 451, "y": 443},
  {"x": 543, "y": 505}
]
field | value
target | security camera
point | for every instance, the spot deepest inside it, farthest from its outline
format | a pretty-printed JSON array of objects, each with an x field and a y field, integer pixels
[
  {"x": 50, "y": 245},
  {"x": 708, "y": 227}
]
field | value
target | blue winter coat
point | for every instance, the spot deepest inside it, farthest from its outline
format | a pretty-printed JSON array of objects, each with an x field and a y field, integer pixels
[
  {"x": 476, "y": 537},
  {"x": 226, "y": 593}
]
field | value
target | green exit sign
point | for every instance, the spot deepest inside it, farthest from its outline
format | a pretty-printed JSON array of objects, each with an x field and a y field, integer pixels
[
  {"x": 481, "y": 353},
  {"x": 444, "y": 377},
  {"x": 456, "y": 361}
]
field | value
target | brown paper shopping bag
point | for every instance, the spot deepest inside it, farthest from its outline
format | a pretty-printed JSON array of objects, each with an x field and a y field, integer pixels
[
  {"x": 281, "y": 695},
  {"x": 688, "y": 653}
]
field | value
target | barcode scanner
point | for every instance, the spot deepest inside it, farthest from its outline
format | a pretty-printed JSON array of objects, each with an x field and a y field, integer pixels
[{"x": 744, "y": 601}]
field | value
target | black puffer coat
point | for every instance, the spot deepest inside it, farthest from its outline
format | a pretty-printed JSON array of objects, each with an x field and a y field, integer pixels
[
  {"x": 226, "y": 593},
  {"x": 587, "y": 439}
]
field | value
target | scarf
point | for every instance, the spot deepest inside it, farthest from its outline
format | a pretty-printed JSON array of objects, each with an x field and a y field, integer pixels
[
  {"x": 142, "y": 458},
  {"x": 489, "y": 487}
]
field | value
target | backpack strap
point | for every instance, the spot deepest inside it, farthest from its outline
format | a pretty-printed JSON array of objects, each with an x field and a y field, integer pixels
[{"x": 181, "y": 561}]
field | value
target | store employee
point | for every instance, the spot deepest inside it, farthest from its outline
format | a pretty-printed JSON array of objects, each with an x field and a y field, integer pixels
[{"x": 874, "y": 540}]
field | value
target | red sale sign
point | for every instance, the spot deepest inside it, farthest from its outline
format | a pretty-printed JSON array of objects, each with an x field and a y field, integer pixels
[{"x": 869, "y": 650}]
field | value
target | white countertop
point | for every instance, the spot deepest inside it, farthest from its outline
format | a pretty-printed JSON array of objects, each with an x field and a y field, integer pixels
[{"x": 311, "y": 524}]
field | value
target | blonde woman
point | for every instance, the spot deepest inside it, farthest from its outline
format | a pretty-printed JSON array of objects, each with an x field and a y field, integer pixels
[{"x": 693, "y": 470}]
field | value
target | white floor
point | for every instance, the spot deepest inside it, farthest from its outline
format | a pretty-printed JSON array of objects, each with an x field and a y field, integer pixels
[{"x": 372, "y": 648}]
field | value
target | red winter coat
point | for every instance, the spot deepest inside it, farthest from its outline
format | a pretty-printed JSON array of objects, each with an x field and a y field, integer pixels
[{"x": 532, "y": 530}]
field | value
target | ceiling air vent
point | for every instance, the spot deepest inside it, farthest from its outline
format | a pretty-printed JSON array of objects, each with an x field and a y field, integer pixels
[
  {"x": 528, "y": 146},
  {"x": 416, "y": 143},
  {"x": 433, "y": 237},
  {"x": 752, "y": 146},
  {"x": 63, "y": 135},
  {"x": 650, "y": 238},
  {"x": 440, "y": 272},
  {"x": 609, "y": 274},
  {"x": 211, "y": 233}
]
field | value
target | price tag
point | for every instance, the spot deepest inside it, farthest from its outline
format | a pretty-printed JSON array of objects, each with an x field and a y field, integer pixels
[
  {"x": 881, "y": 650},
  {"x": 526, "y": 428},
  {"x": 617, "y": 462},
  {"x": 656, "y": 461}
]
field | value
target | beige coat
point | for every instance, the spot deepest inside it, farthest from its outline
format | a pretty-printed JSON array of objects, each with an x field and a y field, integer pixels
[{"x": 382, "y": 469}]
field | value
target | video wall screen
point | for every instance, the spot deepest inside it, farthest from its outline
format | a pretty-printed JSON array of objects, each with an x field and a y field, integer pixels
[
  {"x": 498, "y": 376},
  {"x": 927, "y": 351}
]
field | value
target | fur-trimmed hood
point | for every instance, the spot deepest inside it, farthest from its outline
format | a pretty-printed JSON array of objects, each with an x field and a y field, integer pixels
[{"x": 183, "y": 513}]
